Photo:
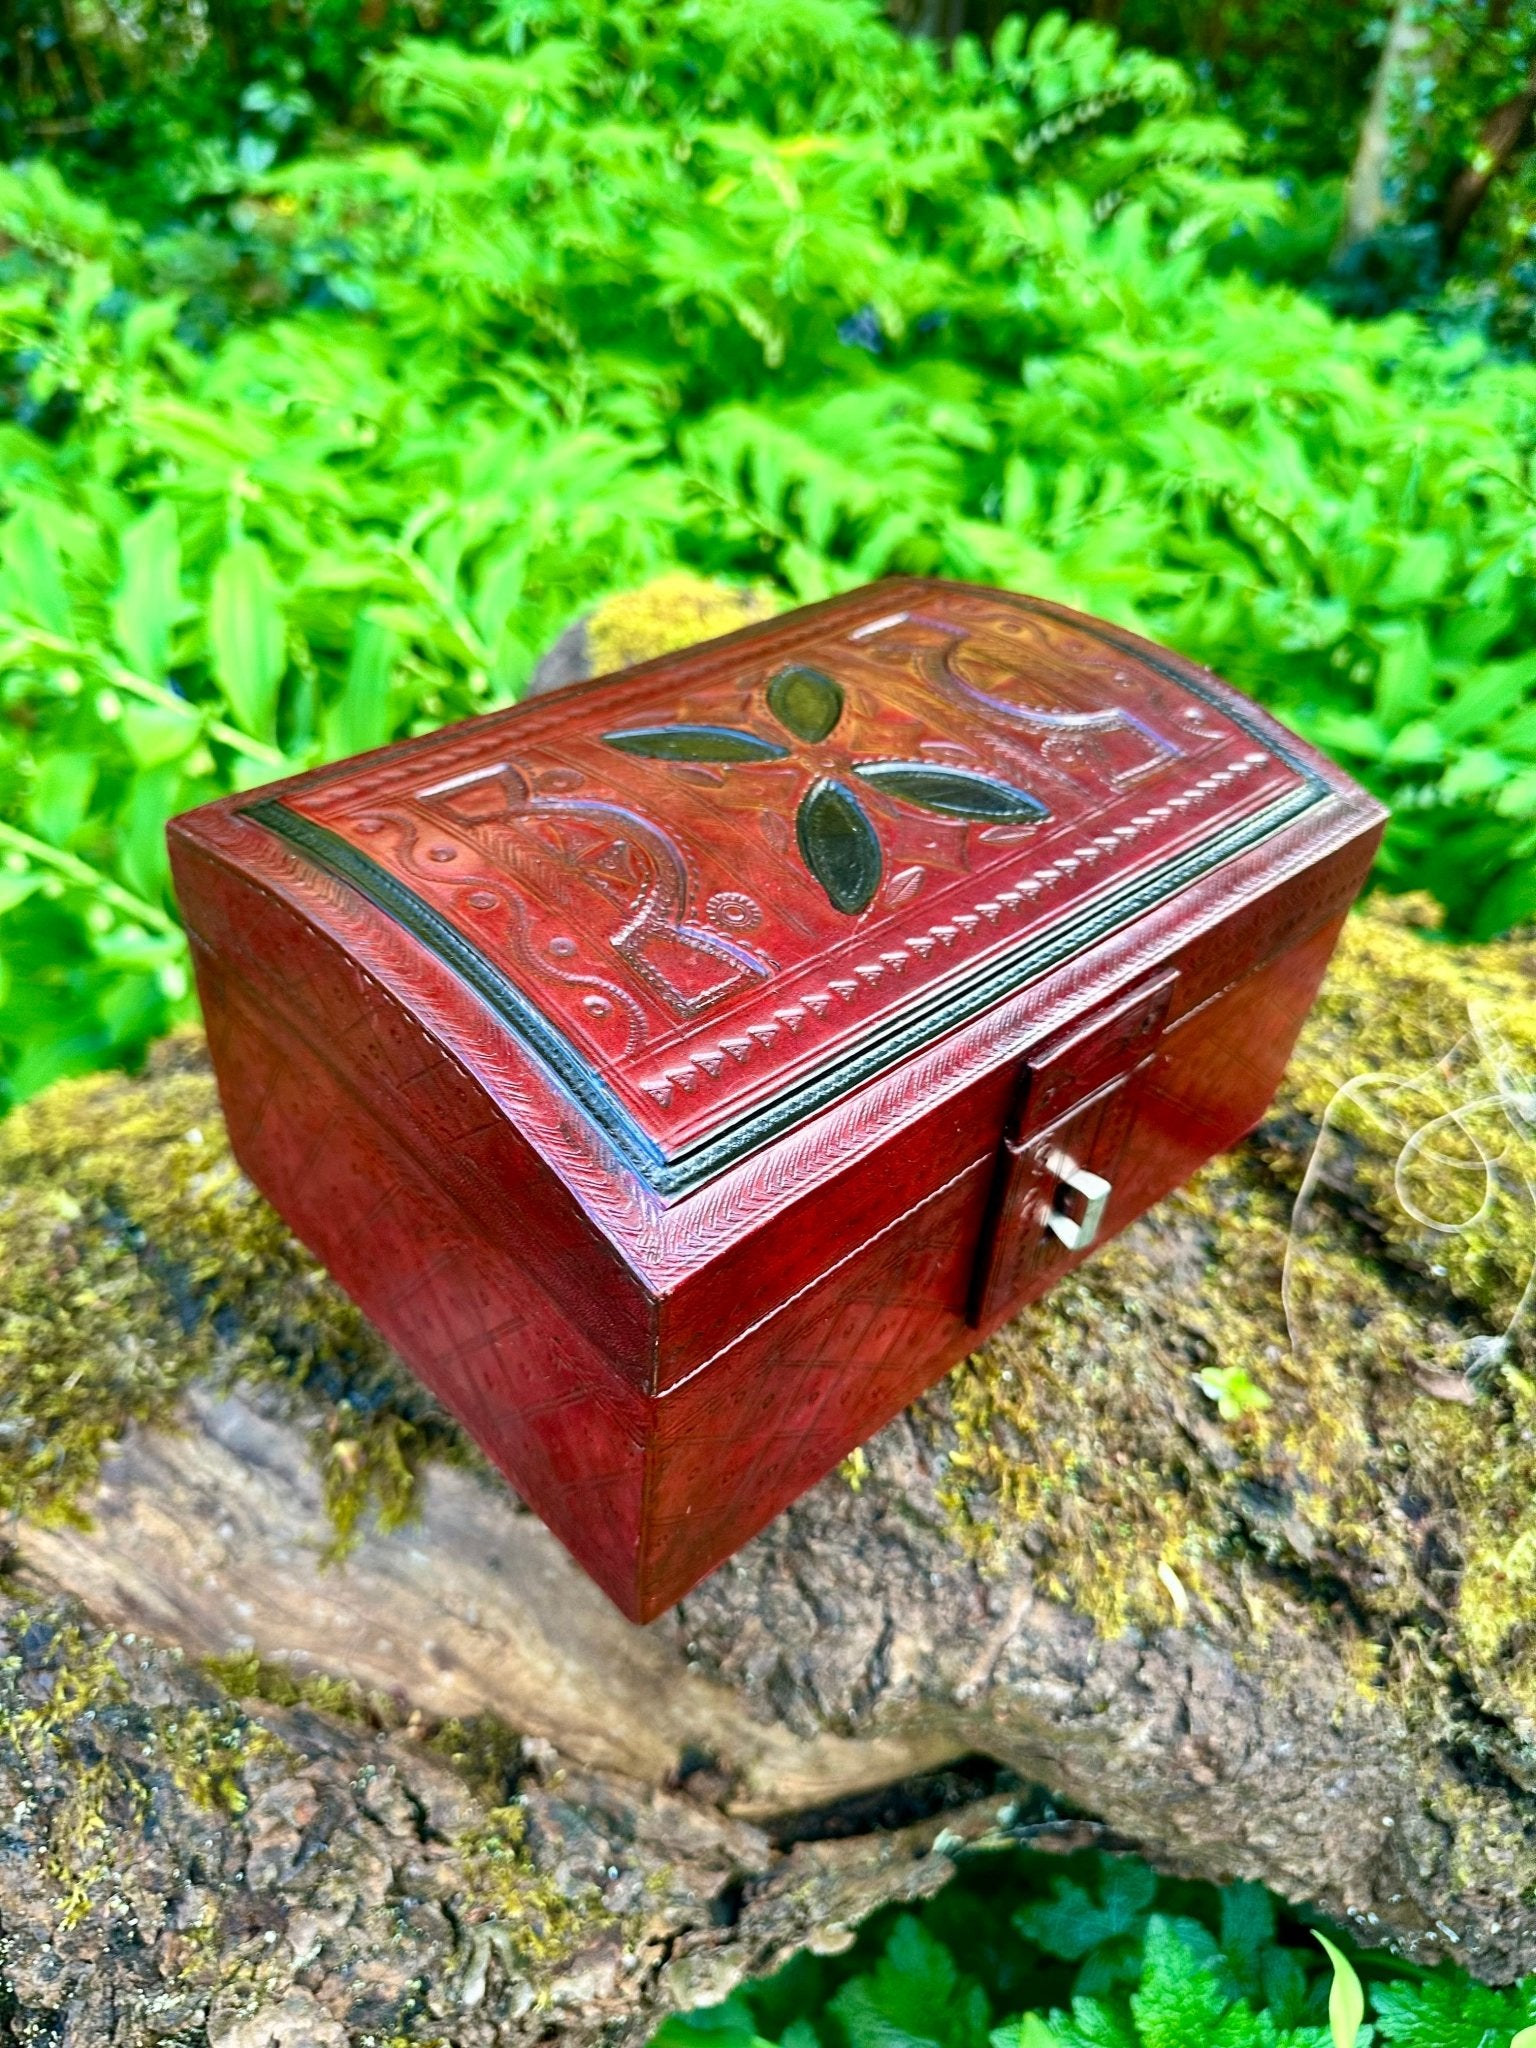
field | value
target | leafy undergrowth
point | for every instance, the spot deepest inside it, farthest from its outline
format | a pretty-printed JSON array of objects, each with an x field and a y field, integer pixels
[
  {"x": 1027, "y": 1950},
  {"x": 775, "y": 295}
]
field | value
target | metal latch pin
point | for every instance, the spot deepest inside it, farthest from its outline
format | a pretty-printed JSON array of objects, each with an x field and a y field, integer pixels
[{"x": 1078, "y": 1232}]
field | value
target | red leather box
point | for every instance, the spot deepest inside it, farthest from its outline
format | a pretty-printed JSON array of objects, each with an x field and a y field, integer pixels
[{"x": 685, "y": 1069}]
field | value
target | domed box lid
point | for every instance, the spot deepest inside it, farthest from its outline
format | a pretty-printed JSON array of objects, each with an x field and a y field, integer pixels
[{"x": 716, "y": 892}]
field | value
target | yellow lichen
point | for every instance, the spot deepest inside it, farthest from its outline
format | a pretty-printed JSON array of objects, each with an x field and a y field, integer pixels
[{"x": 667, "y": 614}]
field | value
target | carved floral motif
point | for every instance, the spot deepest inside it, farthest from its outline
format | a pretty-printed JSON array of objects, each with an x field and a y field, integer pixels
[{"x": 835, "y": 834}]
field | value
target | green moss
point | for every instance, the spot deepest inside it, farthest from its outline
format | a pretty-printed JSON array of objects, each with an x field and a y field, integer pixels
[
  {"x": 206, "y": 1752},
  {"x": 139, "y": 1259},
  {"x": 64, "y": 1682},
  {"x": 1394, "y": 1491},
  {"x": 486, "y": 1753},
  {"x": 246, "y": 1676},
  {"x": 534, "y": 1919}
]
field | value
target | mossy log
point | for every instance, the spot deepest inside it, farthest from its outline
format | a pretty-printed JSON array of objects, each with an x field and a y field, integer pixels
[
  {"x": 309, "y": 1733},
  {"x": 1249, "y": 1590}
]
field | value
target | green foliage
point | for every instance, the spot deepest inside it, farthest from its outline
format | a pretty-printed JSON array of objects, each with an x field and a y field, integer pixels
[
  {"x": 163, "y": 105},
  {"x": 767, "y": 293},
  {"x": 1294, "y": 77},
  {"x": 1023, "y": 1951},
  {"x": 1234, "y": 1390}
]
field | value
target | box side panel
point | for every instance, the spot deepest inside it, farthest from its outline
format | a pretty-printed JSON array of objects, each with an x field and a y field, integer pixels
[
  {"x": 397, "y": 1068},
  {"x": 740, "y": 1439},
  {"x": 467, "y": 1315}
]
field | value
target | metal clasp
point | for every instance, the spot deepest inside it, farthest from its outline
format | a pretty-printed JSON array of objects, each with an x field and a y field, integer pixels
[{"x": 1077, "y": 1232}]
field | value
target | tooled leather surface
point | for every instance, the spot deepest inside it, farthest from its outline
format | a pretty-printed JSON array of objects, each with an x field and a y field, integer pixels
[
  {"x": 658, "y": 911},
  {"x": 651, "y": 1492},
  {"x": 1215, "y": 932},
  {"x": 463, "y": 1200}
]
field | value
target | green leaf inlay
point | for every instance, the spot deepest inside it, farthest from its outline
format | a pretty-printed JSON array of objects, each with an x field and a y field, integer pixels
[
  {"x": 955, "y": 792},
  {"x": 695, "y": 743},
  {"x": 805, "y": 702},
  {"x": 838, "y": 845}
]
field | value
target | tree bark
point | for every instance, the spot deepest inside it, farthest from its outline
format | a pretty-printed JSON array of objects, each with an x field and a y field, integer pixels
[
  {"x": 1503, "y": 137},
  {"x": 1390, "y": 116}
]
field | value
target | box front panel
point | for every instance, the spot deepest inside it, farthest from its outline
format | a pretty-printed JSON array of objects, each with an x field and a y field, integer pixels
[
  {"x": 740, "y": 1439},
  {"x": 893, "y": 1158},
  {"x": 774, "y": 1413}
]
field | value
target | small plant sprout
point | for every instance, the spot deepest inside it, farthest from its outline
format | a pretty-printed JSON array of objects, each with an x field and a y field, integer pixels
[
  {"x": 1234, "y": 1390},
  {"x": 1346, "y": 2001}
]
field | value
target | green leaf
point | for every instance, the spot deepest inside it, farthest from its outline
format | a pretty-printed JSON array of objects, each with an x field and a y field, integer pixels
[
  {"x": 718, "y": 2026},
  {"x": 155, "y": 733},
  {"x": 1247, "y": 1934},
  {"x": 1405, "y": 677},
  {"x": 141, "y": 852},
  {"x": 806, "y": 702},
  {"x": 1448, "y": 2010},
  {"x": 1073, "y": 1921},
  {"x": 1488, "y": 696},
  {"x": 839, "y": 845},
  {"x": 246, "y": 635},
  {"x": 1028, "y": 2031},
  {"x": 1475, "y": 773},
  {"x": 34, "y": 576},
  {"x": 1420, "y": 571},
  {"x": 149, "y": 603},
  {"x": 60, "y": 796},
  {"x": 1419, "y": 744},
  {"x": 914, "y": 1998},
  {"x": 1510, "y": 901},
  {"x": 1346, "y": 2000},
  {"x": 1517, "y": 799},
  {"x": 363, "y": 716},
  {"x": 1350, "y": 733},
  {"x": 1179, "y": 2000},
  {"x": 15, "y": 889}
]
